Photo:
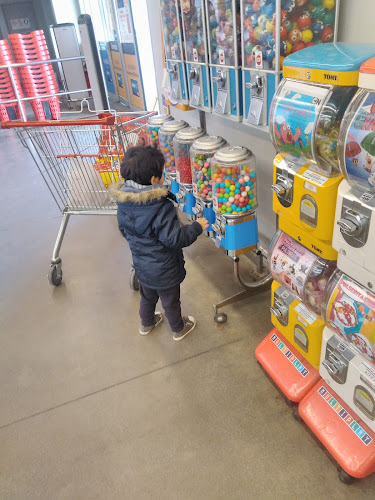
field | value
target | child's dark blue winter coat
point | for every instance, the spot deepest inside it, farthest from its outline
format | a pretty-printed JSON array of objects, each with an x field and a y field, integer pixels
[{"x": 148, "y": 220}]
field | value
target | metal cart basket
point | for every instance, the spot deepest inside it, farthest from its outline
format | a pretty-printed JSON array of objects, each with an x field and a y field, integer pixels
[{"x": 78, "y": 160}]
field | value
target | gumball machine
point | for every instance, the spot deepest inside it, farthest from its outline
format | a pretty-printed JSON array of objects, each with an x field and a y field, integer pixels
[
  {"x": 198, "y": 72},
  {"x": 224, "y": 35},
  {"x": 201, "y": 154},
  {"x": 235, "y": 200},
  {"x": 174, "y": 50},
  {"x": 271, "y": 30},
  {"x": 166, "y": 136},
  {"x": 152, "y": 129},
  {"x": 182, "y": 144},
  {"x": 305, "y": 120},
  {"x": 340, "y": 409},
  {"x": 353, "y": 236}
]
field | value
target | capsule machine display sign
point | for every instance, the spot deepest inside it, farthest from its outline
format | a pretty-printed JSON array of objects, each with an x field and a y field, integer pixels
[
  {"x": 300, "y": 24},
  {"x": 350, "y": 312},
  {"x": 174, "y": 50},
  {"x": 194, "y": 28},
  {"x": 224, "y": 34}
]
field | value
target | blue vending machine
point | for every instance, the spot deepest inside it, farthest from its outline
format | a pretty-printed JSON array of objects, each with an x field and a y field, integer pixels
[
  {"x": 271, "y": 30},
  {"x": 174, "y": 50},
  {"x": 182, "y": 144},
  {"x": 201, "y": 154},
  {"x": 235, "y": 200},
  {"x": 166, "y": 136},
  {"x": 198, "y": 71},
  {"x": 224, "y": 36}
]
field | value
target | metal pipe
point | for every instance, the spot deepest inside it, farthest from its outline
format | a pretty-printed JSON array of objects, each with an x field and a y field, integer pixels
[
  {"x": 13, "y": 101},
  {"x": 36, "y": 63},
  {"x": 56, "y": 251},
  {"x": 253, "y": 285},
  {"x": 18, "y": 100}
]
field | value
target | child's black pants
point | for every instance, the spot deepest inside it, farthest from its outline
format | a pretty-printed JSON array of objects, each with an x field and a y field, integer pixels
[{"x": 170, "y": 300}]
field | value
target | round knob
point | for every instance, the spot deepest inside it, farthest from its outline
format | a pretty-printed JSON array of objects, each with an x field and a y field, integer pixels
[
  {"x": 281, "y": 188},
  {"x": 275, "y": 311}
]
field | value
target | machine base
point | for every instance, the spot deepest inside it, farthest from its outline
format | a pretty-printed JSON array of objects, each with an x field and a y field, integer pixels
[
  {"x": 349, "y": 441},
  {"x": 284, "y": 364}
]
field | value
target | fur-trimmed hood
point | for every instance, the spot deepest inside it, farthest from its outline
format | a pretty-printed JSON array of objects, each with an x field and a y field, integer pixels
[{"x": 134, "y": 193}]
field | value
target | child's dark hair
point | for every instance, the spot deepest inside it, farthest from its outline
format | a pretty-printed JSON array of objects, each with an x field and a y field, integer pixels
[{"x": 141, "y": 163}]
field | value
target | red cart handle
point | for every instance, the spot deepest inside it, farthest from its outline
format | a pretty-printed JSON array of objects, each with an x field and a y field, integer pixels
[{"x": 104, "y": 119}]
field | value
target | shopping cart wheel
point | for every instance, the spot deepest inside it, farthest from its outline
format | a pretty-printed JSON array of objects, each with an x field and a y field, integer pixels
[
  {"x": 220, "y": 318},
  {"x": 345, "y": 477},
  {"x": 55, "y": 275},
  {"x": 133, "y": 282}
]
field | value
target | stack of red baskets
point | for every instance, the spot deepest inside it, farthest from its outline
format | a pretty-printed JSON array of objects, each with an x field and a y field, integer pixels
[
  {"x": 37, "y": 80},
  {"x": 6, "y": 87}
]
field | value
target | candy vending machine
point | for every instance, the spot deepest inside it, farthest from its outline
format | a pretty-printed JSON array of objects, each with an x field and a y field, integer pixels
[
  {"x": 166, "y": 136},
  {"x": 198, "y": 71},
  {"x": 235, "y": 200},
  {"x": 271, "y": 30},
  {"x": 152, "y": 129},
  {"x": 174, "y": 49},
  {"x": 201, "y": 154},
  {"x": 182, "y": 144},
  {"x": 224, "y": 37}
]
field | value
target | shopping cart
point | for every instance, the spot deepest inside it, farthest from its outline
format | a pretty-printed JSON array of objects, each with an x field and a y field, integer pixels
[{"x": 78, "y": 160}]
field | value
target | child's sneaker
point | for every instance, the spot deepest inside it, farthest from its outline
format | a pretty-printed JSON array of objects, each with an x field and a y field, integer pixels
[
  {"x": 189, "y": 325},
  {"x": 145, "y": 330}
]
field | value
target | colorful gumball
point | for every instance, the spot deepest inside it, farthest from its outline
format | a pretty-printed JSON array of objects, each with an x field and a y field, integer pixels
[
  {"x": 283, "y": 47},
  {"x": 307, "y": 35},
  {"x": 328, "y": 4},
  {"x": 315, "y": 2},
  {"x": 317, "y": 28},
  {"x": 288, "y": 25},
  {"x": 270, "y": 55},
  {"x": 256, "y": 5},
  {"x": 328, "y": 18},
  {"x": 289, "y": 47},
  {"x": 310, "y": 44},
  {"x": 318, "y": 12},
  {"x": 327, "y": 35},
  {"x": 254, "y": 19},
  {"x": 301, "y": 3},
  {"x": 283, "y": 33},
  {"x": 298, "y": 46},
  {"x": 270, "y": 26},
  {"x": 262, "y": 20},
  {"x": 294, "y": 36},
  {"x": 304, "y": 20}
]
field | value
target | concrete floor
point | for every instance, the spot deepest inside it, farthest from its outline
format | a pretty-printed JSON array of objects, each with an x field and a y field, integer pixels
[{"x": 89, "y": 409}]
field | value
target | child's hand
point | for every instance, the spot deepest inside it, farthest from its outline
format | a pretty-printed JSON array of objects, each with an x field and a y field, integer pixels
[{"x": 203, "y": 222}]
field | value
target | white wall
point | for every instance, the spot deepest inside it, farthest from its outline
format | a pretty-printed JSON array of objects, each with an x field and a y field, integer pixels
[{"x": 355, "y": 25}]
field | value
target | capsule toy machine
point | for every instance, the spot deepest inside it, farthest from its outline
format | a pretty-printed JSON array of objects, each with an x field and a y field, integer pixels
[
  {"x": 305, "y": 120},
  {"x": 182, "y": 144},
  {"x": 201, "y": 154},
  {"x": 300, "y": 326},
  {"x": 299, "y": 270},
  {"x": 235, "y": 200},
  {"x": 152, "y": 129},
  {"x": 224, "y": 39},
  {"x": 166, "y": 136},
  {"x": 296, "y": 307},
  {"x": 174, "y": 49},
  {"x": 197, "y": 64},
  {"x": 271, "y": 30},
  {"x": 354, "y": 230},
  {"x": 340, "y": 409}
]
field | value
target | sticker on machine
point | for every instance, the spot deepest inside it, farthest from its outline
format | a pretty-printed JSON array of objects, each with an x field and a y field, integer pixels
[
  {"x": 296, "y": 111},
  {"x": 195, "y": 55},
  {"x": 308, "y": 209},
  {"x": 307, "y": 315},
  {"x": 368, "y": 371},
  {"x": 351, "y": 314},
  {"x": 312, "y": 176}
]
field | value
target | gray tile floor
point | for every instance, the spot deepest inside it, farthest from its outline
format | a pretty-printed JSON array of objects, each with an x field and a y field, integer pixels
[{"x": 91, "y": 410}]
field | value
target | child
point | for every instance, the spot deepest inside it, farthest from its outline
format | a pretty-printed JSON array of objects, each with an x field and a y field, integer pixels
[{"x": 147, "y": 219}]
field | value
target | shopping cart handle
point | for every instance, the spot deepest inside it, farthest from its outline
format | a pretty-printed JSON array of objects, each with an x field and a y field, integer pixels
[{"x": 104, "y": 119}]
